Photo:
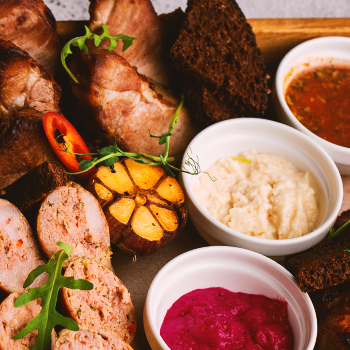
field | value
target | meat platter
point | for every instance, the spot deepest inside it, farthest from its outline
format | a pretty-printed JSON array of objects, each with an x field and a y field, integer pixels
[{"x": 275, "y": 37}]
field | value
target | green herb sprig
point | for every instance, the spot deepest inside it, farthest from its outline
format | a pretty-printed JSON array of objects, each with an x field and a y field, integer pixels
[
  {"x": 332, "y": 234},
  {"x": 80, "y": 42},
  {"x": 108, "y": 156},
  {"x": 48, "y": 317}
]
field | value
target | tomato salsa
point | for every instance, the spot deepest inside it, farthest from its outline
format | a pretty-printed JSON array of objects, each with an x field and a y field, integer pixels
[
  {"x": 320, "y": 100},
  {"x": 217, "y": 319}
]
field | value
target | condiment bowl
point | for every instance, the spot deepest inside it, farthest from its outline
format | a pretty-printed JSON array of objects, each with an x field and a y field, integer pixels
[
  {"x": 315, "y": 52},
  {"x": 238, "y": 270},
  {"x": 231, "y": 137}
]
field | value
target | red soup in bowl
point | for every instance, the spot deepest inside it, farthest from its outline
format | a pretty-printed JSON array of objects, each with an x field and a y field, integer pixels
[{"x": 319, "y": 99}]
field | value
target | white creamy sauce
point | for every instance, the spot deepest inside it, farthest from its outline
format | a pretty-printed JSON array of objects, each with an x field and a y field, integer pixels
[{"x": 268, "y": 198}]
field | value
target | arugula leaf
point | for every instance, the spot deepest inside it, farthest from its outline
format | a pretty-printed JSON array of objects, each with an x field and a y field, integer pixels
[
  {"x": 80, "y": 42},
  {"x": 48, "y": 317}
]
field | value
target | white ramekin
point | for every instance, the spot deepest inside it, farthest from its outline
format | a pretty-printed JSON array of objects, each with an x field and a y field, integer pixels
[
  {"x": 236, "y": 269},
  {"x": 231, "y": 137},
  {"x": 315, "y": 52}
]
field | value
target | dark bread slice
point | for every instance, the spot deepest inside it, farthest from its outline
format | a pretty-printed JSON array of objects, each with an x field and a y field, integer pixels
[
  {"x": 172, "y": 23},
  {"x": 221, "y": 66},
  {"x": 322, "y": 266},
  {"x": 35, "y": 185}
]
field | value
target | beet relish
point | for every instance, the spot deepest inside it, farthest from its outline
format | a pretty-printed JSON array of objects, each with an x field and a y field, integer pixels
[{"x": 215, "y": 318}]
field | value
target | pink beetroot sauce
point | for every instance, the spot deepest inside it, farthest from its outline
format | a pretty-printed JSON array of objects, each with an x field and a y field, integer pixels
[{"x": 215, "y": 318}]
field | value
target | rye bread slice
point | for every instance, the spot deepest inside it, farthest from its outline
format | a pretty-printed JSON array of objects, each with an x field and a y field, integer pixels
[
  {"x": 35, "y": 185},
  {"x": 221, "y": 67},
  {"x": 322, "y": 266}
]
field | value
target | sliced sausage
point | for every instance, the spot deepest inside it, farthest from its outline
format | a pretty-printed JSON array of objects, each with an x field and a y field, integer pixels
[
  {"x": 97, "y": 339},
  {"x": 19, "y": 253},
  {"x": 14, "y": 319},
  {"x": 72, "y": 215},
  {"x": 108, "y": 305}
]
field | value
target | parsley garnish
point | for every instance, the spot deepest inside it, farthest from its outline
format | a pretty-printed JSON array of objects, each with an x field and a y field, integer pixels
[
  {"x": 48, "y": 317},
  {"x": 80, "y": 42}
]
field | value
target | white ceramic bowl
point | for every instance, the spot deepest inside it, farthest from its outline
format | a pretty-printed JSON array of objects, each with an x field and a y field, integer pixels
[
  {"x": 320, "y": 51},
  {"x": 231, "y": 137},
  {"x": 237, "y": 270}
]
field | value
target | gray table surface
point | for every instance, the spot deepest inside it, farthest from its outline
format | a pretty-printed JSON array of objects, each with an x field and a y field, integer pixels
[{"x": 64, "y": 10}]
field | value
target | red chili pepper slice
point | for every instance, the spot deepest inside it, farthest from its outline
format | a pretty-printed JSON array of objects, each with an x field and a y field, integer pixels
[
  {"x": 73, "y": 141},
  {"x": 132, "y": 328}
]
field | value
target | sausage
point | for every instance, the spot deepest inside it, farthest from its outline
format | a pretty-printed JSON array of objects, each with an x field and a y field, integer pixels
[
  {"x": 72, "y": 215},
  {"x": 108, "y": 305},
  {"x": 14, "y": 319},
  {"x": 19, "y": 253},
  {"x": 90, "y": 338}
]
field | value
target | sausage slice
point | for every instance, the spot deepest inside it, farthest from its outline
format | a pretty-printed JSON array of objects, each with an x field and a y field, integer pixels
[
  {"x": 19, "y": 253},
  {"x": 97, "y": 339},
  {"x": 14, "y": 319},
  {"x": 108, "y": 305},
  {"x": 72, "y": 215}
]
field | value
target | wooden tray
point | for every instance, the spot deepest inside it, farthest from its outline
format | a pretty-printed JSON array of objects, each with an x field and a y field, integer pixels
[{"x": 275, "y": 37}]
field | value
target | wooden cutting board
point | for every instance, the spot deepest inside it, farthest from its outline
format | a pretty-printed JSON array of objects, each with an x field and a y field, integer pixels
[{"x": 275, "y": 37}]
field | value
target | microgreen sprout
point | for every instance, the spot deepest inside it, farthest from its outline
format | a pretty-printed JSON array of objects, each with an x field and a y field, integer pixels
[
  {"x": 108, "y": 156},
  {"x": 334, "y": 233},
  {"x": 80, "y": 42}
]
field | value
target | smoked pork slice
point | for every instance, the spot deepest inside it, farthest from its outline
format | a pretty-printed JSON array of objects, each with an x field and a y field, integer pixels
[
  {"x": 30, "y": 25},
  {"x": 116, "y": 101},
  {"x": 23, "y": 145},
  {"x": 139, "y": 20},
  {"x": 19, "y": 253},
  {"x": 72, "y": 215},
  {"x": 91, "y": 338},
  {"x": 14, "y": 319},
  {"x": 24, "y": 82},
  {"x": 108, "y": 305}
]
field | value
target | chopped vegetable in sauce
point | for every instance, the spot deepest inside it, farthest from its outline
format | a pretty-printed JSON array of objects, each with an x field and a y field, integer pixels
[{"x": 319, "y": 98}]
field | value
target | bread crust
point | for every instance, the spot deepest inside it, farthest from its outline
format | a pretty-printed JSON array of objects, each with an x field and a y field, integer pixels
[
  {"x": 321, "y": 266},
  {"x": 220, "y": 64}
]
